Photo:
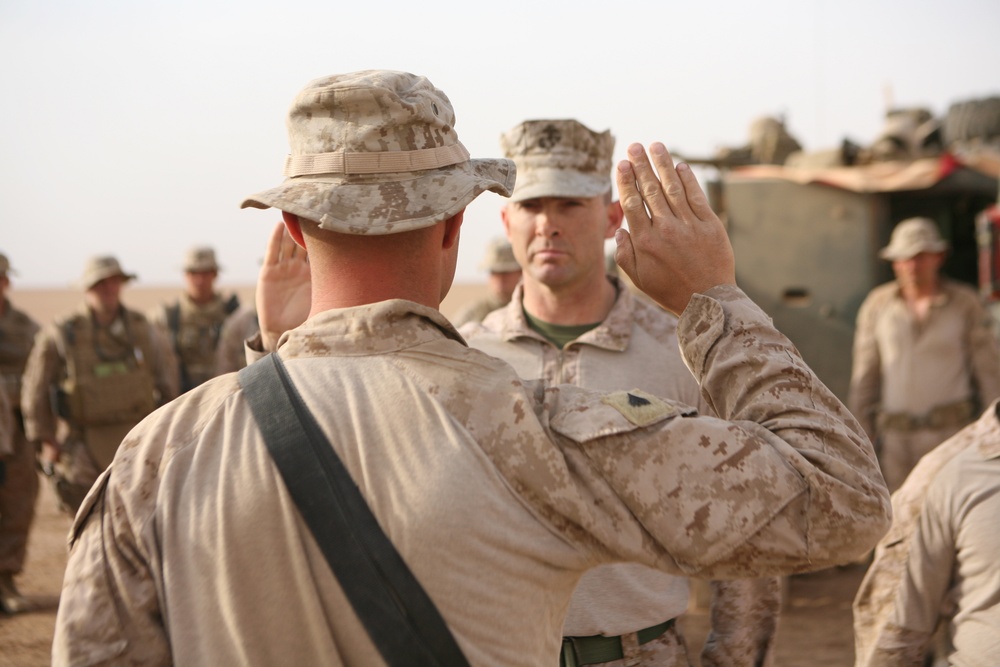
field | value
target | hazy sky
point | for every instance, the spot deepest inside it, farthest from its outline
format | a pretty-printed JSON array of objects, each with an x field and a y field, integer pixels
[{"x": 137, "y": 127}]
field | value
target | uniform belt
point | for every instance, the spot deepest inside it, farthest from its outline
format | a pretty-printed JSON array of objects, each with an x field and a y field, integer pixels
[
  {"x": 593, "y": 650},
  {"x": 942, "y": 416}
]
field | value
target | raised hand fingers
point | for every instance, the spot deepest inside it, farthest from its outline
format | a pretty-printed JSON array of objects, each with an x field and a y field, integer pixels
[
  {"x": 674, "y": 188},
  {"x": 272, "y": 254}
]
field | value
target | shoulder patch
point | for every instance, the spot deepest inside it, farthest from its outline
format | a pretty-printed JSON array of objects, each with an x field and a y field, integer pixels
[{"x": 640, "y": 408}]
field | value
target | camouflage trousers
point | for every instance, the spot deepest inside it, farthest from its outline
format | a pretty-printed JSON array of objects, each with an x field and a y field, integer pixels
[
  {"x": 899, "y": 451},
  {"x": 17, "y": 504}
]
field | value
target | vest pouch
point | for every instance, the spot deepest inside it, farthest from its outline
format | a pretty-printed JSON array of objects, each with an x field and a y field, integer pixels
[{"x": 115, "y": 394}]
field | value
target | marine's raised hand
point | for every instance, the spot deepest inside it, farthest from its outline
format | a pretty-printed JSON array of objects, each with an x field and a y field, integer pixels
[{"x": 676, "y": 246}]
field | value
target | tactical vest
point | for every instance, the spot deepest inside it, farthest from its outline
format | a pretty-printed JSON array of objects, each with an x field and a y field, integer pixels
[
  {"x": 106, "y": 385},
  {"x": 194, "y": 332}
]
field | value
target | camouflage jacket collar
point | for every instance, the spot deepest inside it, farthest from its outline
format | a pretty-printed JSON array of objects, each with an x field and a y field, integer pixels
[
  {"x": 378, "y": 328},
  {"x": 613, "y": 333}
]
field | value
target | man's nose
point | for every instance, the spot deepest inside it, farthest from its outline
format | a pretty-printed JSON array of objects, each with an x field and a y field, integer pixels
[{"x": 545, "y": 225}]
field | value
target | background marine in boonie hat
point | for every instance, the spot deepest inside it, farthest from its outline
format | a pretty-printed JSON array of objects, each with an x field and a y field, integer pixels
[
  {"x": 100, "y": 268},
  {"x": 376, "y": 152},
  {"x": 559, "y": 158},
  {"x": 200, "y": 259},
  {"x": 912, "y": 237}
]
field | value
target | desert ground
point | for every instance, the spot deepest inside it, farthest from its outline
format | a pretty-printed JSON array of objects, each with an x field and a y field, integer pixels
[{"x": 814, "y": 630}]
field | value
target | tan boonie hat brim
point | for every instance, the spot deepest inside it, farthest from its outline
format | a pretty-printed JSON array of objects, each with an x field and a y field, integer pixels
[
  {"x": 101, "y": 268},
  {"x": 387, "y": 203},
  {"x": 376, "y": 152},
  {"x": 912, "y": 237}
]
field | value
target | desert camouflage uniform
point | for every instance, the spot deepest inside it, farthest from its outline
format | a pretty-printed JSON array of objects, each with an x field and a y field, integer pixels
[
  {"x": 904, "y": 371},
  {"x": 195, "y": 331},
  {"x": 231, "y": 355},
  {"x": 19, "y": 491},
  {"x": 498, "y": 495},
  {"x": 877, "y": 639},
  {"x": 85, "y": 387},
  {"x": 635, "y": 346}
]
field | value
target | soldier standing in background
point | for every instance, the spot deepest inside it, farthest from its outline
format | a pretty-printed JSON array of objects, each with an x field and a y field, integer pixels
[
  {"x": 90, "y": 378},
  {"x": 194, "y": 322},
  {"x": 504, "y": 274},
  {"x": 569, "y": 321},
  {"x": 925, "y": 357},
  {"x": 19, "y": 483}
]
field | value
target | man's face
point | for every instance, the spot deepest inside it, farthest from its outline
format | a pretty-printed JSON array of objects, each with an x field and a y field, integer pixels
[
  {"x": 4, "y": 285},
  {"x": 200, "y": 285},
  {"x": 105, "y": 296},
  {"x": 919, "y": 271},
  {"x": 559, "y": 241}
]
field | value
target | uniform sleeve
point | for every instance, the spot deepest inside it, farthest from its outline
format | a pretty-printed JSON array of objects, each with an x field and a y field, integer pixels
[
  {"x": 41, "y": 373},
  {"x": 984, "y": 359},
  {"x": 865, "y": 390},
  {"x": 744, "y": 620},
  {"x": 923, "y": 585},
  {"x": 785, "y": 481},
  {"x": 109, "y": 608}
]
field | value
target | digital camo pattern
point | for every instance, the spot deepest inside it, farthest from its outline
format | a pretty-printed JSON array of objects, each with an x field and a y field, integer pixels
[
  {"x": 876, "y": 598},
  {"x": 449, "y": 447},
  {"x": 636, "y": 346},
  {"x": 379, "y": 111},
  {"x": 559, "y": 158}
]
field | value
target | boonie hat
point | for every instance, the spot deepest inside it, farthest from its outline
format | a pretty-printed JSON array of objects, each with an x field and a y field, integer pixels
[
  {"x": 99, "y": 268},
  {"x": 5, "y": 265},
  {"x": 559, "y": 158},
  {"x": 200, "y": 259},
  {"x": 499, "y": 257},
  {"x": 912, "y": 237},
  {"x": 376, "y": 152}
]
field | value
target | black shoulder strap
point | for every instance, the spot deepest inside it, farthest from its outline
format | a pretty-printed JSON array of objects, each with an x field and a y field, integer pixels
[
  {"x": 400, "y": 618},
  {"x": 174, "y": 321},
  {"x": 231, "y": 304}
]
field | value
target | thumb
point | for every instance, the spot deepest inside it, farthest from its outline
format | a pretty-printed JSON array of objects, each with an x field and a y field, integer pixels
[{"x": 625, "y": 255}]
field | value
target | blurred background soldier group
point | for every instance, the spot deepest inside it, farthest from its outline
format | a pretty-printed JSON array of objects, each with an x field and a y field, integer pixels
[{"x": 73, "y": 389}]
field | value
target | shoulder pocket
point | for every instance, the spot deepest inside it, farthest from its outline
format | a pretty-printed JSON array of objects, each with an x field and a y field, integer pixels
[{"x": 583, "y": 415}]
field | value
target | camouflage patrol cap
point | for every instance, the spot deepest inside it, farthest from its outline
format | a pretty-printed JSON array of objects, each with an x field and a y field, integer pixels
[
  {"x": 99, "y": 268},
  {"x": 375, "y": 152},
  {"x": 912, "y": 237},
  {"x": 559, "y": 158},
  {"x": 200, "y": 259},
  {"x": 499, "y": 257}
]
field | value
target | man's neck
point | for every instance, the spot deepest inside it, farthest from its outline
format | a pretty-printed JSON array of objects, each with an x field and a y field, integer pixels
[
  {"x": 105, "y": 317},
  {"x": 568, "y": 307}
]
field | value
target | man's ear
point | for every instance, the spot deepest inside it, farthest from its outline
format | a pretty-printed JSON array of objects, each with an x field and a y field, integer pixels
[
  {"x": 615, "y": 217},
  {"x": 294, "y": 228},
  {"x": 452, "y": 227},
  {"x": 505, "y": 218}
]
